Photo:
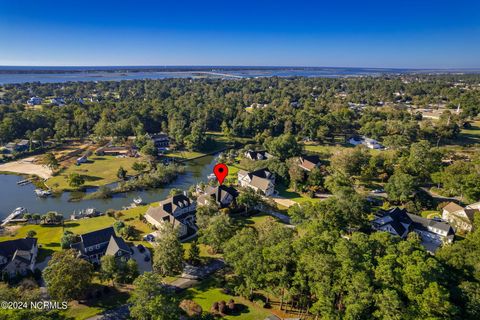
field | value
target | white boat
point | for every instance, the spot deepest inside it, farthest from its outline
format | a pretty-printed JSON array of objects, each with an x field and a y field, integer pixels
[
  {"x": 138, "y": 200},
  {"x": 43, "y": 193},
  {"x": 211, "y": 176}
]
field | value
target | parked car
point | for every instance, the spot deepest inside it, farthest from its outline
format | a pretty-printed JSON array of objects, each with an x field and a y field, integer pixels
[
  {"x": 149, "y": 238},
  {"x": 141, "y": 248}
]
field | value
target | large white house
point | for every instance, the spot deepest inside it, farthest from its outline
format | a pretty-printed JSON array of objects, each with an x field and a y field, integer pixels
[
  {"x": 459, "y": 217},
  {"x": 260, "y": 180}
]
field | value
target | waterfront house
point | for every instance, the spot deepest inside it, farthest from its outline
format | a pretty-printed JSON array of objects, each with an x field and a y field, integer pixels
[
  {"x": 459, "y": 217},
  {"x": 160, "y": 140},
  {"x": 18, "y": 256},
  {"x": 178, "y": 210},
  {"x": 399, "y": 222},
  {"x": 260, "y": 180},
  {"x": 257, "y": 155},
  {"x": 94, "y": 245},
  {"x": 222, "y": 195}
]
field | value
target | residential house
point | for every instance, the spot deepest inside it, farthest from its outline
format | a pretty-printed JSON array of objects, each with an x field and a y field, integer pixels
[
  {"x": 222, "y": 195},
  {"x": 459, "y": 217},
  {"x": 177, "y": 210},
  {"x": 94, "y": 245},
  {"x": 260, "y": 180},
  {"x": 368, "y": 142},
  {"x": 161, "y": 140},
  {"x": 399, "y": 222},
  {"x": 58, "y": 101},
  {"x": 308, "y": 163},
  {"x": 18, "y": 256},
  {"x": 21, "y": 146},
  {"x": 33, "y": 101},
  {"x": 257, "y": 155}
]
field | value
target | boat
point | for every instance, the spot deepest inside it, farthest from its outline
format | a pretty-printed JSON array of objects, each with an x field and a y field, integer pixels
[
  {"x": 42, "y": 193},
  {"x": 211, "y": 176},
  {"x": 20, "y": 211},
  {"x": 138, "y": 201}
]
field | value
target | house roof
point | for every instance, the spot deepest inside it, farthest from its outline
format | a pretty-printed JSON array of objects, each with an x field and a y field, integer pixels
[
  {"x": 309, "y": 162},
  {"x": 260, "y": 183},
  {"x": 423, "y": 223},
  {"x": 116, "y": 244},
  {"x": 396, "y": 218},
  {"x": 177, "y": 201},
  {"x": 219, "y": 193},
  {"x": 96, "y": 237},
  {"x": 8, "y": 248},
  {"x": 452, "y": 207},
  {"x": 255, "y": 154},
  {"x": 160, "y": 215},
  {"x": 261, "y": 173}
]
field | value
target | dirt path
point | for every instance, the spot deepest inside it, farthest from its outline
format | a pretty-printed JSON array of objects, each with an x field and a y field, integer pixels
[{"x": 26, "y": 166}]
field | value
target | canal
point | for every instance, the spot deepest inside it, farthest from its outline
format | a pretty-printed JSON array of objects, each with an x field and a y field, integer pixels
[{"x": 13, "y": 195}]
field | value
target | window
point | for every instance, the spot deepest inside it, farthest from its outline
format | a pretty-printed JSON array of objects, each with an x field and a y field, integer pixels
[{"x": 97, "y": 246}]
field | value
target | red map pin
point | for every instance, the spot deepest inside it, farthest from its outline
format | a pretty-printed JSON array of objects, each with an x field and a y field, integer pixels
[{"x": 221, "y": 171}]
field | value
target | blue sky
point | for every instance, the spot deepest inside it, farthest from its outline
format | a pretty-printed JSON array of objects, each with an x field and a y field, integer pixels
[{"x": 417, "y": 34}]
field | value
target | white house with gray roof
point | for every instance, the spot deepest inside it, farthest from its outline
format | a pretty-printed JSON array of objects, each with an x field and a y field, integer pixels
[{"x": 262, "y": 180}]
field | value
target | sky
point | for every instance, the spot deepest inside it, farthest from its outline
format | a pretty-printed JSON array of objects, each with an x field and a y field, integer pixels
[{"x": 336, "y": 33}]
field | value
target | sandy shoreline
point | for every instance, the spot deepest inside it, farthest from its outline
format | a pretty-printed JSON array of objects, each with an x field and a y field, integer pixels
[{"x": 27, "y": 166}]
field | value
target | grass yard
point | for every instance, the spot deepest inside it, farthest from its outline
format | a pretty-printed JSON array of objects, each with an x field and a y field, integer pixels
[
  {"x": 210, "y": 291},
  {"x": 98, "y": 171},
  {"x": 298, "y": 197},
  {"x": 430, "y": 214}
]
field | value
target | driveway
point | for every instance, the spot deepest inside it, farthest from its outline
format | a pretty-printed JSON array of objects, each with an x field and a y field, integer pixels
[{"x": 143, "y": 266}]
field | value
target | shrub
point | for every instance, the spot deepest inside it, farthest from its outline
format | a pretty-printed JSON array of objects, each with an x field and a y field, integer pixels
[{"x": 191, "y": 308}]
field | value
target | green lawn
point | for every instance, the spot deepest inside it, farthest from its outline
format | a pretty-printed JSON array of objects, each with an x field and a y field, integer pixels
[
  {"x": 210, "y": 291},
  {"x": 100, "y": 170},
  {"x": 430, "y": 214},
  {"x": 298, "y": 197}
]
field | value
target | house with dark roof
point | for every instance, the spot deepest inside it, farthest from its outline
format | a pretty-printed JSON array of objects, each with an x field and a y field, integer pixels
[
  {"x": 18, "y": 256},
  {"x": 259, "y": 180},
  {"x": 222, "y": 195},
  {"x": 257, "y": 155},
  {"x": 459, "y": 217},
  {"x": 308, "y": 163},
  {"x": 177, "y": 210},
  {"x": 160, "y": 140},
  {"x": 94, "y": 245},
  {"x": 399, "y": 222}
]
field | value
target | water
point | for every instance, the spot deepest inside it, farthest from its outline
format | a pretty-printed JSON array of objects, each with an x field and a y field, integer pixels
[
  {"x": 13, "y": 196},
  {"x": 65, "y": 74}
]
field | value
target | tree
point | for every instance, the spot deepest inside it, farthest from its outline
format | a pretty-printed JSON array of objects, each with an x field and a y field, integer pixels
[
  {"x": 68, "y": 238},
  {"x": 151, "y": 299},
  {"x": 400, "y": 187},
  {"x": 118, "y": 225},
  {"x": 139, "y": 166},
  {"x": 50, "y": 161},
  {"x": 168, "y": 253},
  {"x": 31, "y": 233},
  {"x": 218, "y": 231},
  {"x": 149, "y": 149},
  {"x": 284, "y": 146},
  {"x": 110, "y": 268},
  {"x": 122, "y": 173},
  {"x": 67, "y": 276},
  {"x": 36, "y": 217},
  {"x": 127, "y": 232},
  {"x": 194, "y": 254},
  {"x": 249, "y": 199},
  {"x": 75, "y": 180}
]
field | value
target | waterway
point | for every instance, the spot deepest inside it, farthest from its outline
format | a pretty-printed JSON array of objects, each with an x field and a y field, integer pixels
[{"x": 13, "y": 195}]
